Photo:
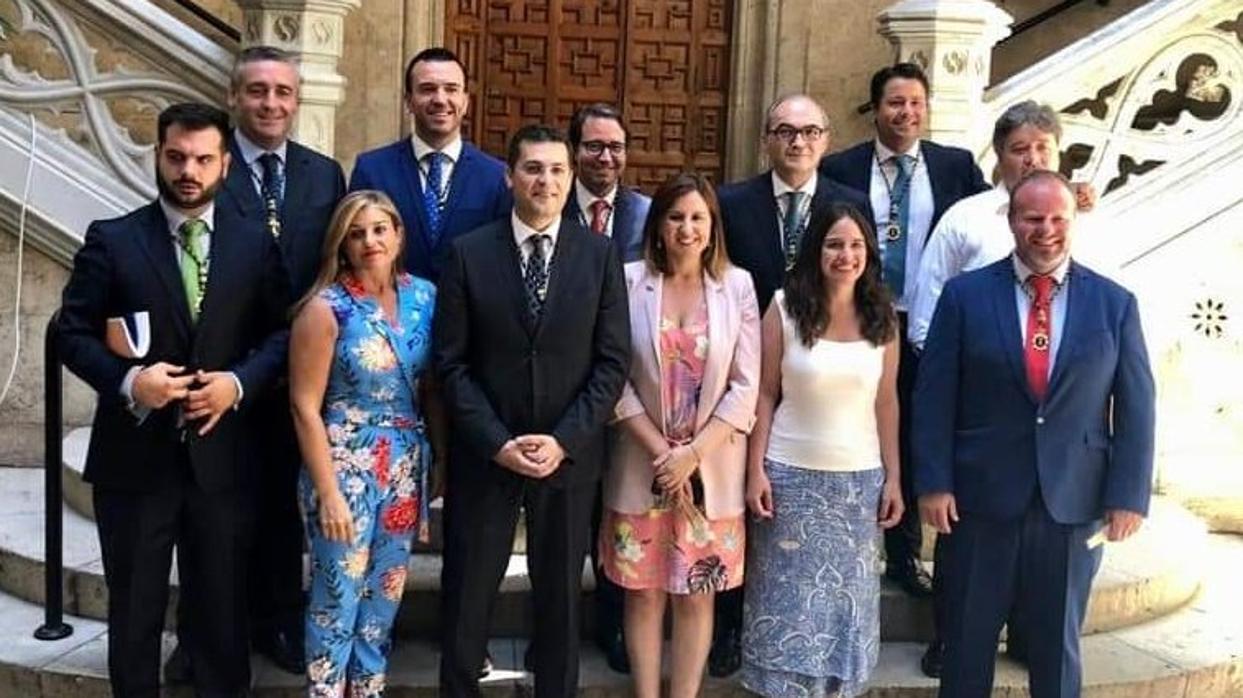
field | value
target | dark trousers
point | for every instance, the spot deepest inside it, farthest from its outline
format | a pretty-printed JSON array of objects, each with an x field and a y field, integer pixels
[
  {"x": 903, "y": 542},
  {"x": 479, "y": 536},
  {"x": 137, "y": 534},
  {"x": 1034, "y": 564},
  {"x": 277, "y": 601}
]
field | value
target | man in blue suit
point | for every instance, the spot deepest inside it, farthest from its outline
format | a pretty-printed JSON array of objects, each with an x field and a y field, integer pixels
[
  {"x": 1034, "y": 415},
  {"x": 910, "y": 183},
  {"x": 442, "y": 186},
  {"x": 600, "y": 202},
  {"x": 765, "y": 218}
]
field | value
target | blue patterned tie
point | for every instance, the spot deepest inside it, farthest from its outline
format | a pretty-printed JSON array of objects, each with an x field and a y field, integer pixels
[
  {"x": 894, "y": 244},
  {"x": 535, "y": 277},
  {"x": 433, "y": 194},
  {"x": 273, "y": 189}
]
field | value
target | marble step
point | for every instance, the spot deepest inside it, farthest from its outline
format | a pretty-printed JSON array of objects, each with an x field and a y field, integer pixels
[
  {"x": 78, "y": 494},
  {"x": 1148, "y": 577},
  {"x": 1194, "y": 652}
]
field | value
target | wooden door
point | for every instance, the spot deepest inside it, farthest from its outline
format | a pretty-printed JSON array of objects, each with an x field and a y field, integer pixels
[{"x": 664, "y": 62}]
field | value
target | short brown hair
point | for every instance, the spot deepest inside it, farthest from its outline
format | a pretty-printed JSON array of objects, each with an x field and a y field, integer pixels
[{"x": 714, "y": 259}]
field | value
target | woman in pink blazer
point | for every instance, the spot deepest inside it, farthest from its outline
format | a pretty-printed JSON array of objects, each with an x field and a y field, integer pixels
[{"x": 673, "y": 524}]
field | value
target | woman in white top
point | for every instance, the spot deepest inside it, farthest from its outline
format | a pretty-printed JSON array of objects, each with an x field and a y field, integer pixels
[{"x": 822, "y": 467}]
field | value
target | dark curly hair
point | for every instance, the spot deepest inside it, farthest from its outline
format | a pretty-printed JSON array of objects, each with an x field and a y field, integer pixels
[{"x": 805, "y": 295}]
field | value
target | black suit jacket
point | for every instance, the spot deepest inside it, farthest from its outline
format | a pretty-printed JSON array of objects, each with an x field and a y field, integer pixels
[
  {"x": 314, "y": 184},
  {"x": 753, "y": 230},
  {"x": 951, "y": 171},
  {"x": 504, "y": 376},
  {"x": 129, "y": 264}
]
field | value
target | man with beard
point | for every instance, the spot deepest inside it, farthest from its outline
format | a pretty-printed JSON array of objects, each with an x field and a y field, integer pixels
[
  {"x": 442, "y": 186},
  {"x": 171, "y": 457},
  {"x": 600, "y": 202}
]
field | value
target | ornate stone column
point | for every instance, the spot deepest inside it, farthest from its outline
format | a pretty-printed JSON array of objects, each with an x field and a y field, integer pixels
[
  {"x": 313, "y": 30},
  {"x": 953, "y": 41}
]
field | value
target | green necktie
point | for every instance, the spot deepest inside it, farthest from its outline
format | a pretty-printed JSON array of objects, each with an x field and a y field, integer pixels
[{"x": 191, "y": 236}]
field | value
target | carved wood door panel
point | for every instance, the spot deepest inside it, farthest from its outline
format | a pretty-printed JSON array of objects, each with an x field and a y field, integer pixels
[{"x": 664, "y": 62}]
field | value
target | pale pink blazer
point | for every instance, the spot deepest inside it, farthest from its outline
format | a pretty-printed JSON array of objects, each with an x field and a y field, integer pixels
[{"x": 730, "y": 389}]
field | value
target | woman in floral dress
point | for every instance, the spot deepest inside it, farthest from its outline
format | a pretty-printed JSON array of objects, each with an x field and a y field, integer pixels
[
  {"x": 673, "y": 530},
  {"x": 360, "y": 341}
]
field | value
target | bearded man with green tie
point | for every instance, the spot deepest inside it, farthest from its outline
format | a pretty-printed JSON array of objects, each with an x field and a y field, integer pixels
[{"x": 172, "y": 454}]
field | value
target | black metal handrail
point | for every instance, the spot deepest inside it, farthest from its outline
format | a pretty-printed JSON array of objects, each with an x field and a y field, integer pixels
[
  {"x": 216, "y": 23},
  {"x": 54, "y": 626},
  {"x": 1020, "y": 27}
]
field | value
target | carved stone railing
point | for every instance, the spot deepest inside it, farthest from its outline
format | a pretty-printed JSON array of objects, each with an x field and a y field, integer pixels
[{"x": 94, "y": 74}]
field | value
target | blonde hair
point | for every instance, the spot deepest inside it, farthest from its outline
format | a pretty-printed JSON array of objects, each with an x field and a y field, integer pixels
[{"x": 333, "y": 263}]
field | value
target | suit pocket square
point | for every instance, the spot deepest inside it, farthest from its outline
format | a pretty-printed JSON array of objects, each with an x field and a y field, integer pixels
[{"x": 129, "y": 336}]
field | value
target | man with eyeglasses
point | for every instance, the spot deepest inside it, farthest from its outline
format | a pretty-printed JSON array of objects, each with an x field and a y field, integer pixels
[
  {"x": 600, "y": 202},
  {"x": 911, "y": 182},
  {"x": 765, "y": 218}
]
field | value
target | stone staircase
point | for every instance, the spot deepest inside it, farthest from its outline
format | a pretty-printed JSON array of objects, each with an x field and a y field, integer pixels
[{"x": 1163, "y": 619}]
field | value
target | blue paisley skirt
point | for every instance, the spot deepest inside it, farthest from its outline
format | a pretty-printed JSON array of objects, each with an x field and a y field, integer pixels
[{"x": 811, "y": 618}]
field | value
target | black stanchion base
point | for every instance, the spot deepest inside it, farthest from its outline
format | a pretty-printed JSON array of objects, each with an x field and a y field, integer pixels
[{"x": 50, "y": 632}]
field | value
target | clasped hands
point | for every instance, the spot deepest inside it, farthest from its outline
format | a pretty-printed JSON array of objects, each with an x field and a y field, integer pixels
[
  {"x": 206, "y": 394},
  {"x": 531, "y": 455},
  {"x": 672, "y": 471}
]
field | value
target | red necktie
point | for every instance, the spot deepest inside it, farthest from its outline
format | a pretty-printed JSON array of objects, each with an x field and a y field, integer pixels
[
  {"x": 599, "y": 216},
  {"x": 1039, "y": 334}
]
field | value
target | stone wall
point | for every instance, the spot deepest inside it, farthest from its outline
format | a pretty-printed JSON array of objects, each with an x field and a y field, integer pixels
[{"x": 21, "y": 414}]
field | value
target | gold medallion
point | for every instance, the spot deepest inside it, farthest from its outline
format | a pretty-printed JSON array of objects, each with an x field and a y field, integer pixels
[
  {"x": 892, "y": 232},
  {"x": 1040, "y": 341}
]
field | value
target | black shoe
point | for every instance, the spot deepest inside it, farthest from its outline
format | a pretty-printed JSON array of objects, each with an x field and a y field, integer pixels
[
  {"x": 285, "y": 649},
  {"x": 913, "y": 579},
  {"x": 487, "y": 665},
  {"x": 725, "y": 657},
  {"x": 614, "y": 648},
  {"x": 177, "y": 669},
  {"x": 932, "y": 660}
]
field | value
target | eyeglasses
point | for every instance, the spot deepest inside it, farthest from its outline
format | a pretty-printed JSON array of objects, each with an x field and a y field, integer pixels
[
  {"x": 615, "y": 148},
  {"x": 788, "y": 133}
]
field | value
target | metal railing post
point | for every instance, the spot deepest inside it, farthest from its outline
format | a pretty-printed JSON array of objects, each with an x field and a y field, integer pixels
[{"x": 54, "y": 626}]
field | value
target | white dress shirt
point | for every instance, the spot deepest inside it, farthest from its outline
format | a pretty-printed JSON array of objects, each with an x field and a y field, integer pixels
[
  {"x": 585, "y": 199},
  {"x": 522, "y": 232},
  {"x": 780, "y": 189},
  {"x": 452, "y": 153},
  {"x": 250, "y": 157},
  {"x": 919, "y": 213}
]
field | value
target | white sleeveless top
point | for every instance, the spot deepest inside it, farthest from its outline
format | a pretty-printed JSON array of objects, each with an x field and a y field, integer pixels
[{"x": 826, "y": 419}]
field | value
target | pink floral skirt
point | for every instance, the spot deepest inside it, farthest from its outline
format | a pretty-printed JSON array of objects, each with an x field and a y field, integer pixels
[{"x": 663, "y": 549}]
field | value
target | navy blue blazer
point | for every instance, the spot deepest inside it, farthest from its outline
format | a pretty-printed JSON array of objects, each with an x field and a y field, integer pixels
[
  {"x": 981, "y": 434},
  {"x": 951, "y": 171},
  {"x": 314, "y": 184},
  {"x": 630, "y": 209},
  {"x": 750, "y": 216},
  {"x": 128, "y": 265},
  {"x": 478, "y": 195}
]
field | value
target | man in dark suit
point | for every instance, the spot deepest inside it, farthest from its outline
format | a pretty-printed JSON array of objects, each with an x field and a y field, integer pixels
[
  {"x": 172, "y": 456},
  {"x": 765, "y": 217},
  {"x": 292, "y": 190},
  {"x": 1034, "y": 413},
  {"x": 442, "y": 186},
  {"x": 910, "y": 183},
  {"x": 532, "y": 346},
  {"x": 600, "y": 202}
]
